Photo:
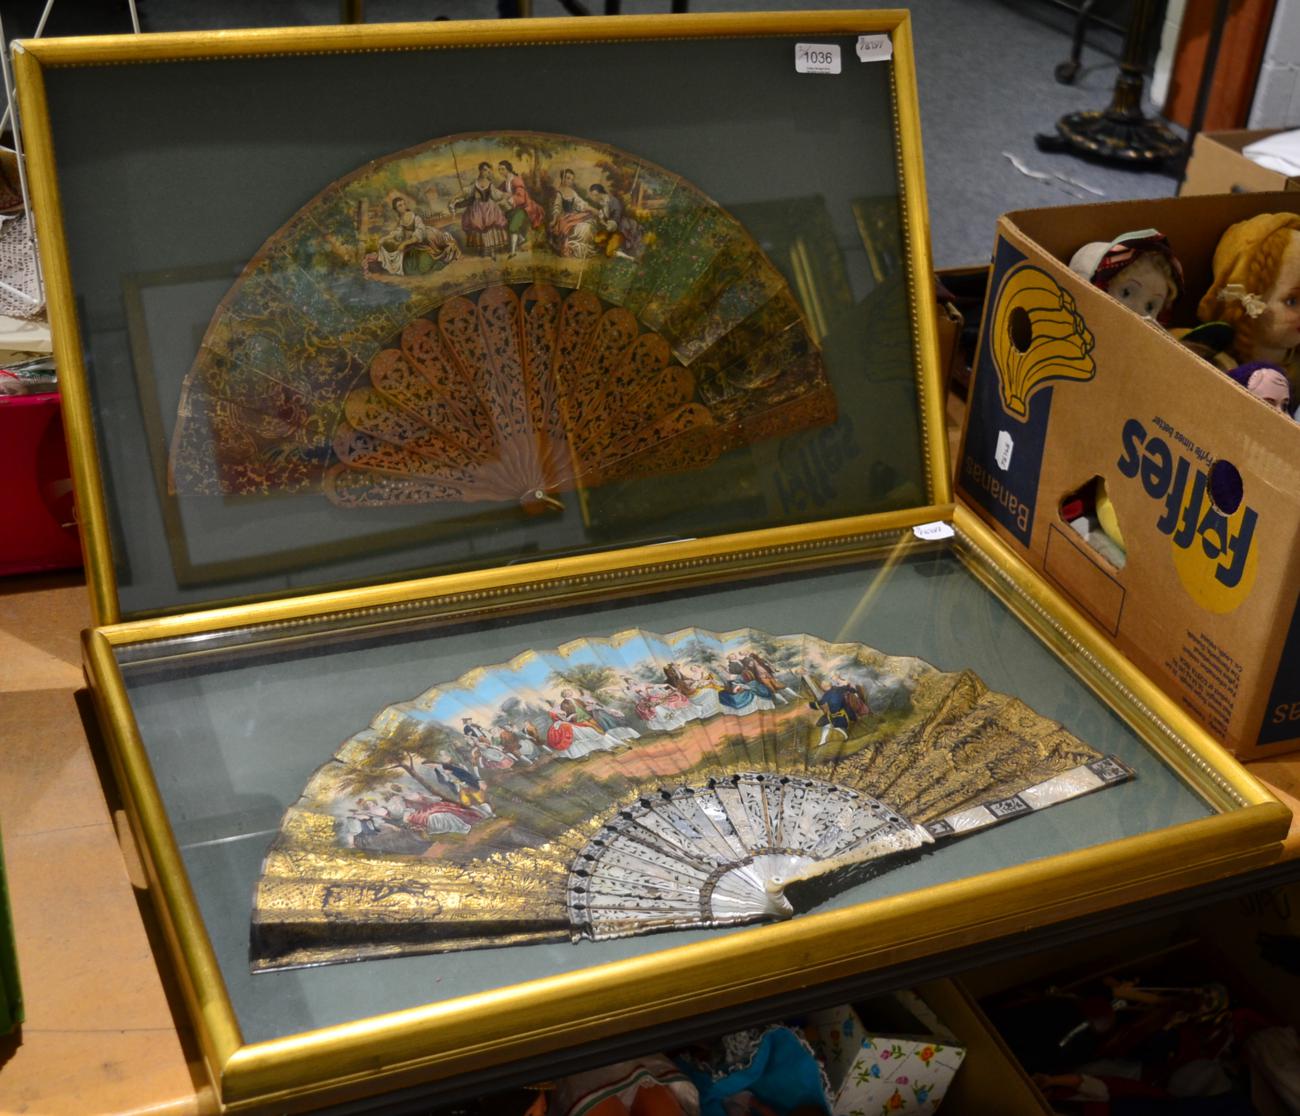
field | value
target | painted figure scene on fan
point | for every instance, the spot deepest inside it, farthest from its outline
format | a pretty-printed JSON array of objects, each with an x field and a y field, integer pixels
[
  {"x": 530, "y": 198},
  {"x": 495, "y": 318},
  {"x": 431, "y": 776},
  {"x": 642, "y": 782}
]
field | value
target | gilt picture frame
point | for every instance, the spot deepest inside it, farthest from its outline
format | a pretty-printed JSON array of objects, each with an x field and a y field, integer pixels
[
  {"x": 174, "y": 669},
  {"x": 282, "y": 447}
]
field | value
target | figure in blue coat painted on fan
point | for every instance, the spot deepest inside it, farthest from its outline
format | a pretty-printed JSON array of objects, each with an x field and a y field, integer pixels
[{"x": 842, "y": 704}]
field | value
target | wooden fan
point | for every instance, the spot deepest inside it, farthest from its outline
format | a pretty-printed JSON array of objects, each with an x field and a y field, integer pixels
[
  {"x": 620, "y": 786},
  {"x": 439, "y": 326}
]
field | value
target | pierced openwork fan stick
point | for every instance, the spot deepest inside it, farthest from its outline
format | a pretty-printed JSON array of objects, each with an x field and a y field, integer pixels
[
  {"x": 619, "y": 786},
  {"x": 579, "y": 397},
  {"x": 412, "y": 335}
]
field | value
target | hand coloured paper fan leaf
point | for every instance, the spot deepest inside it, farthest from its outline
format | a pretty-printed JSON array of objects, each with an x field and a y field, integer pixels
[
  {"x": 495, "y": 317},
  {"x": 646, "y": 782}
]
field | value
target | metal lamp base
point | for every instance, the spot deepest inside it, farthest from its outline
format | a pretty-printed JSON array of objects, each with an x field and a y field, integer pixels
[{"x": 1118, "y": 137}]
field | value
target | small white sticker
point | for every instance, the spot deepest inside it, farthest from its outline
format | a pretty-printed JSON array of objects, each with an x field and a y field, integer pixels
[
  {"x": 1002, "y": 452},
  {"x": 932, "y": 531},
  {"x": 816, "y": 58},
  {"x": 875, "y": 48}
]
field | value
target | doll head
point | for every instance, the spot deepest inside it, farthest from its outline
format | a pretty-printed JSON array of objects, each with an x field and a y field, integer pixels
[
  {"x": 1146, "y": 286},
  {"x": 1266, "y": 382},
  {"x": 1138, "y": 268},
  {"x": 1257, "y": 285}
]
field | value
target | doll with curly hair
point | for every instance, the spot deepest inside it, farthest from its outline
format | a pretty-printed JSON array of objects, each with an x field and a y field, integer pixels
[{"x": 1256, "y": 290}]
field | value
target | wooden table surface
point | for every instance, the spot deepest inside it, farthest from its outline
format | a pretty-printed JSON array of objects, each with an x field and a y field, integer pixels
[
  {"x": 101, "y": 1033},
  {"x": 105, "y": 1029}
]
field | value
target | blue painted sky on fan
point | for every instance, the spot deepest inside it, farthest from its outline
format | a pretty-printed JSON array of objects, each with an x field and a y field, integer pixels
[{"x": 531, "y": 678}]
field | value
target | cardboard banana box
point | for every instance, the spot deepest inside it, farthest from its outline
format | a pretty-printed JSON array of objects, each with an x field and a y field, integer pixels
[{"x": 1203, "y": 480}]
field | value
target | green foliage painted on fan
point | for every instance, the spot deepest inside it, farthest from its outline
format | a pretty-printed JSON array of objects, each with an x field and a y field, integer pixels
[
  {"x": 405, "y": 747},
  {"x": 600, "y": 681}
]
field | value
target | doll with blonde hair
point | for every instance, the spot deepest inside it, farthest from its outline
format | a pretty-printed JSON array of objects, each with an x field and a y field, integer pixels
[{"x": 1256, "y": 290}]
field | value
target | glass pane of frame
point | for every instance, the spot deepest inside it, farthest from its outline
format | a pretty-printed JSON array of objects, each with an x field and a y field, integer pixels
[
  {"x": 357, "y": 315},
  {"x": 235, "y": 735}
]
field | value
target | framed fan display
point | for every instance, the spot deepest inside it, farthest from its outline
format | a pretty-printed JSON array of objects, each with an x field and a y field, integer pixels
[
  {"x": 531, "y": 609},
  {"x": 417, "y": 341}
]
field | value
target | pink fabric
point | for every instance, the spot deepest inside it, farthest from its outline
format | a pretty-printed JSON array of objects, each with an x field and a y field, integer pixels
[
  {"x": 426, "y": 811},
  {"x": 519, "y": 196}
]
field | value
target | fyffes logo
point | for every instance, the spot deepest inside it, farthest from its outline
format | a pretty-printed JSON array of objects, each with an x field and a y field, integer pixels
[
  {"x": 1037, "y": 337},
  {"x": 1214, "y": 553}
]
